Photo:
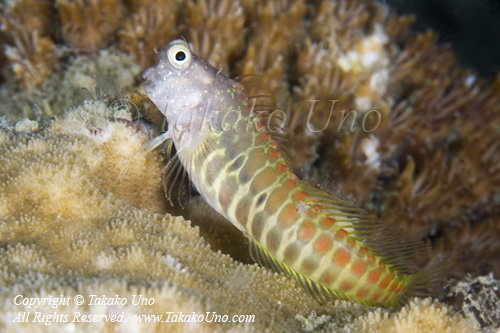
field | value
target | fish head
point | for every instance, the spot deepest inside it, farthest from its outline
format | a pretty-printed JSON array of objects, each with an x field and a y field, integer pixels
[{"x": 183, "y": 86}]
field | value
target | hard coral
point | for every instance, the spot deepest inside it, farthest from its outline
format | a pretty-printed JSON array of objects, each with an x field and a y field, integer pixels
[
  {"x": 150, "y": 26},
  {"x": 479, "y": 294},
  {"x": 275, "y": 27},
  {"x": 420, "y": 315},
  {"x": 32, "y": 58},
  {"x": 28, "y": 16},
  {"x": 32, "y": 54},
  {"x": 107, "y": 74},
  {"x": 89, "y": 25},
  {"x": 216, "y": 30}
]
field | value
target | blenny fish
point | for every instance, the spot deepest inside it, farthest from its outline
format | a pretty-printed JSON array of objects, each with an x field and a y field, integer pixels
[{"x": 331, "y": 247}]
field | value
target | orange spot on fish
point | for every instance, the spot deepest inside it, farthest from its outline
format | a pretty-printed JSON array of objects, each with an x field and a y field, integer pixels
[
  {"x": 273, "y": 154},
  {"x": 342, "y": 257},
  {"x": 359, "y": 268},
  {"x": 300, "y": 195},
  {"x": 345, "y": 286},
  {"x": 327, "y": 279},
  {"x": 362, "y": 250},
  {"x": 282, "y": 167},
  {"x": 316, "y": 209},
  {"x": 394, "y": 286},
  {"x": 371, "y": 259},
  {"x": 341, "y": 234},
  {"x": 350, "y": 242},
  {"x": 259, "y": 127},
  {"x": 382, "y": 266},
  {"x": 374, "y": 276},
  {"x": 323, "y": 244},
  {"x": 385, "y": 282},
  {"x": 306, "y": 231},
  {"x": 289, "y": 184},
  {"x": 362, "y": 293},
  {"x": 385, "y": 299},
  {"x": 263, "y": 137},
  {"x": 274, "y": 144},
  {"x": 327, "y": 222},
  {"x": 288, "y": 215}
]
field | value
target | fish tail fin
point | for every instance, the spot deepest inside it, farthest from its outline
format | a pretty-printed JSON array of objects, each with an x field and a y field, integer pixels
[{"x": 425, "y": 282}]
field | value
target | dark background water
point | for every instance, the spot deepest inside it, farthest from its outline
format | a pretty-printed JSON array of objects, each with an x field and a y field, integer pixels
[{"x": 472, "y": 27}]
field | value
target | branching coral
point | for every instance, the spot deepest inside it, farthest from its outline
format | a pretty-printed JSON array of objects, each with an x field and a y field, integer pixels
[
  {"x": 27, "y": 15},
  {"x": 149, "y": 27},
  {"x": 32, "y": 58},
  {"x": 32, "y": 55},
  {"x": 275, "y": 27},
  {"x": 215, "y": 28},
  {"x": 89, "y": 25}
]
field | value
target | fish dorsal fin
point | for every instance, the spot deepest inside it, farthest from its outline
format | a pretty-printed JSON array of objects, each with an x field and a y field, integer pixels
[
  {"x": 318, "y": 291},
  {"x": 404, "y": 254}
]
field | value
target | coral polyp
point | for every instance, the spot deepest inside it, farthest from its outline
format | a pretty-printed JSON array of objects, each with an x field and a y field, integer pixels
[{"x": 89, "y": 25}]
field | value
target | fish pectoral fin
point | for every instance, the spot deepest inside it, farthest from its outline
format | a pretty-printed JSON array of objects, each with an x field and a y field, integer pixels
[
  {"x": 319, "y": 292},
  {"x": 156, "y": 141}
]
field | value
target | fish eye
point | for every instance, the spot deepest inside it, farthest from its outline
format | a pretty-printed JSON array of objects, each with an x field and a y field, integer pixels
[{"x": 179, "y": 54}]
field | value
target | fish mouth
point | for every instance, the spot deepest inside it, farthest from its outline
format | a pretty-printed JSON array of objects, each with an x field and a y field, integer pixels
[
  {"x": 150, "y": 74},
  {"x": 151, "y": 79}
]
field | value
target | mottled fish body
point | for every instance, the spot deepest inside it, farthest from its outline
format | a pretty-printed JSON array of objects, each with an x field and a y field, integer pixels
[{"x": 331, "y": 247}]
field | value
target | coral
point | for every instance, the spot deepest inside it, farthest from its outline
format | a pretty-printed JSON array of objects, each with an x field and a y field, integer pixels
[
  {"x": 216, "y": 30},
  {"x": 32, "y": 55},
  {"x": 32, "y": 58},
  {"x": 480, "y": 293},
  {"x": 72, "y": 225},
  {"x": 419, "y": 315},
  {"x": 429, "y": 168},
  {"x": 149, "y": 27},
  {"x": 89, "y": 25},
  {"x": 107, "y": 74},
  {"x": 27, "y": 15},
  {"x": 275, "y": 27}
]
